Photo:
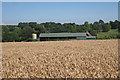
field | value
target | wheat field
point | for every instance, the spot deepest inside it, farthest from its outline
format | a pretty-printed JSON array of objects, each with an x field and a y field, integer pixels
[{"x": 60, "y": 59}]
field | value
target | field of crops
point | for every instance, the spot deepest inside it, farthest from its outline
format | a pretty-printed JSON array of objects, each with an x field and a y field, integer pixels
[{"x": 61, "y": 59}]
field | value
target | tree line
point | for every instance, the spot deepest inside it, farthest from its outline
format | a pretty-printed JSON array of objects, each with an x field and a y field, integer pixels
[{"x": 24, "y": 30}]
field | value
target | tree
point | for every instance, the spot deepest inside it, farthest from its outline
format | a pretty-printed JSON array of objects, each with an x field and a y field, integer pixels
[
  {"x": 27, "y": 33},
  {"x": 22, "y": 25},
  {"x": 93, "y": 32},
  {"x": 40, "y": 29},
  {"x": 5, "y": 31},
  {"x": 114, "y": 25},
  {"x": 24, "y": 30},
  {"x": 106, "y": 27},
  {"x": 80, "y": 28},
  {"x": 119, "y": 27},
  {"x": 101, "y": 22},
  {"x": 12, "y": 36},
  {"x": 69, "y": 27},
  {"x": 87, "y": 26},
  {"x": 17, "y": 31},
  {"x": 33, "y": 24},
  {"x": 96, "y": 26}
]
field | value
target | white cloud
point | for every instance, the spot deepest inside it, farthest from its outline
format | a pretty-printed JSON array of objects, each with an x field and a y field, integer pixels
[{"x": 60, "y": 0}]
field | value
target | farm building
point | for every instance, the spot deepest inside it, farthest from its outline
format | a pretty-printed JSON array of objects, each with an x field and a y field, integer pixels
[{"x": 69, "y": 36}]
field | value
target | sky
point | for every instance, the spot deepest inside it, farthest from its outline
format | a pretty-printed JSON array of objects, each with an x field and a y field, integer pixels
[
  {"x": 59, "y": 0},
  {"x": 62, "y": 12}
]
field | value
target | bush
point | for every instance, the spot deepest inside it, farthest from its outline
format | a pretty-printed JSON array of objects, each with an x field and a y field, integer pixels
[
  {"x": 35, "y": 40},
  {"x": 29, "y": 39}
]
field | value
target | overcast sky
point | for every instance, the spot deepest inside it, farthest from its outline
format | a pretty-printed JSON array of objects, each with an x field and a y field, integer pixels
[{"x": 63, "y": 12}]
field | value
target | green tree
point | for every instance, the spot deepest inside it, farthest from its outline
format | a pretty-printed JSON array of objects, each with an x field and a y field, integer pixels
[
  {"x": 106, "y": 27},
  {"x": 18, "y": 31},
  {"x": 5, "y": 30},
  {"x": 10, "y": 33},
  {"x": 33, "y": 24},
  {"x": 93, "y": 32},
  {"x": 114, "y": 25},
  {"x": 12, "y": 36},
  {"x": 87, "y": 26},
  {"x": 96, "y": 26},
  {"x": 40, "y": 29},
  {"x": 23, "y": 25},
  {"x": 101, "y": 22},
  {"x": 69, "y": 27},
  {"x": 27, "y": 33},
  {"x": 119, "y": 26}
]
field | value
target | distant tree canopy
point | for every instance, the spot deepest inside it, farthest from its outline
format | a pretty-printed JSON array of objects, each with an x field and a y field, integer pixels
[
  {"x": 106, "y": 27},
  {"x": 26, "y": 33},
  {"x": 119, "y": 27},
  {"x": 114, "y": 25},
  {"x": 23, "y": 31}
]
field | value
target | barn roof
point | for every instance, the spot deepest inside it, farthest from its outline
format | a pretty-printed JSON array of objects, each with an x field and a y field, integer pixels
[{"x": 62, "y": 34}]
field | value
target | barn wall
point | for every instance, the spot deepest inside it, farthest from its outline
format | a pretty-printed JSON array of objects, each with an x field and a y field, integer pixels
[{"x": 81, "y": 38}]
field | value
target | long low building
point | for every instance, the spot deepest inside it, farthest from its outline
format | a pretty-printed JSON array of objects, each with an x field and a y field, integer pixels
[{"x": 77, "y": 36}]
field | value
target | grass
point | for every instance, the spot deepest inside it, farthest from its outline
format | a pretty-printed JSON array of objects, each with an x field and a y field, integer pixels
[{"x": 108, "y": 35}]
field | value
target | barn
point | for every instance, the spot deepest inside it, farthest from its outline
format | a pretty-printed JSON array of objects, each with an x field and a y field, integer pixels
[{"x": 65, "y": 36}]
